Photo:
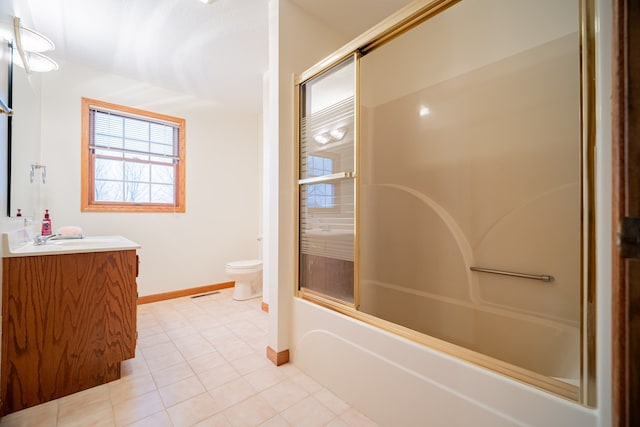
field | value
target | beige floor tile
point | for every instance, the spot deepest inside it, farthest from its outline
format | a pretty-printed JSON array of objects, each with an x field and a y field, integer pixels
[
  {"x": 79, "y": 414},
  {"x": 202, "y": 321},
  {"x": 138, "y": 408},
  {"x": 206, "y": 362},
  {"x": 199, "y": 362},
  {"x": 246, "y": 329},
  {"x": 219, "y": 375},
  {"x": 181, "y": 391},
  {"x": 289, "y": 369},
  {"x": 331, "y": 401},
  {"x": 130, "y": 387},
  {"x": 159, "y": 419},
  {"x": 193, "y": 410},
  {"x": 354, "y": 418},
  {"x": 284, "y": 395},
  {"x": 218, "y": 420},
  {"x": 232, "y": 392},
  {"x": 251, "y": 412},
  {"x": 180, "y": 333},
  {"x": 218, "y": 335},
  {"x": 194, "y": 346},
  {"x": 308, "y": 413},
  {"x": 259, "y": 345},
  {"x": 174, "y": 324},
  {"x": 306, "y": 382},
  {"x": 85, "y": 397},
  {"x": 148, "y": 340},
  {"x": 172, "y": 374},
  {"x": 266, "y": 377},
  {"x": 135, "y": 366},
  {"x": 337, "y": 422},
  {"x": 44, "y": 415},
  {"x": 173, "y": 357},
  {"x": 158, "y": 349},
  {"x": 235, "y": 349},
  {"x": 148, "y": 329},
  {"x": 250, "y": 363},
  {"x": 276, "y": 421}
]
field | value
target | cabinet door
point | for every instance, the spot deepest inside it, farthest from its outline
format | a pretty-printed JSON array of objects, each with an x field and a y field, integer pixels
[{"x": 68, "y": 322}]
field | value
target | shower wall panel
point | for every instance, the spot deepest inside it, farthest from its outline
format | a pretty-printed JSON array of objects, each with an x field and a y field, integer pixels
[{"x": 471, "y": 157}]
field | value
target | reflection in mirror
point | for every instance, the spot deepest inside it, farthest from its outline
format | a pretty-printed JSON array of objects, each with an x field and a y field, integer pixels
[
  {"x": 6, "y": 113},
  {"x": 471, "y": 158},
  {"x": 26, "y": 187}
]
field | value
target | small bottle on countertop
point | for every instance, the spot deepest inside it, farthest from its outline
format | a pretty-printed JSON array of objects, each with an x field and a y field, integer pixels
[
  {"x": 46, "y": 224},
  {"x": 19, "y": 213}
]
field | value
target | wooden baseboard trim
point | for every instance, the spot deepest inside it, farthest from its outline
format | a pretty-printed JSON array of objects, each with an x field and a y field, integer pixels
[
  {"x": 277, "y": 358},
  {"x": 184, "y": 292},
  {"x": 265, "y": 307}
]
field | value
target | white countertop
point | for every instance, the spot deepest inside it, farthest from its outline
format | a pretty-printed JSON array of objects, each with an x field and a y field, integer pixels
[{"x": 14, "y": 244}]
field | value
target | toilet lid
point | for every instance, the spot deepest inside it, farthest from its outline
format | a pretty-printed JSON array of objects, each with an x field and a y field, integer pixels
[{"x": 252, "y": 263}]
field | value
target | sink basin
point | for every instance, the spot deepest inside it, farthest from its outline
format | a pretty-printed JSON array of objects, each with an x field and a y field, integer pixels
[
  {"x": 86, "y": 241},
  {"x": 15, "y": 245}
]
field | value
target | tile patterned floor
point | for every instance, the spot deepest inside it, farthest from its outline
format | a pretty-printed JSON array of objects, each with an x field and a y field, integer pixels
[{"x": 199, "y": 362}]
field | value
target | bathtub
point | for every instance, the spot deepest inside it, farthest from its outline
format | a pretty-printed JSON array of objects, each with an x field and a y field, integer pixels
[{"x": 543, "y": 346}]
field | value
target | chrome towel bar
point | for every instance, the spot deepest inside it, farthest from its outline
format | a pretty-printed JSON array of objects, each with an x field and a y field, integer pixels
[{"x": 543, "y": 277}]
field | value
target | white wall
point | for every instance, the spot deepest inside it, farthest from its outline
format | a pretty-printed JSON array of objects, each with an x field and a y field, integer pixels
[
  {"x": 399, "y": 383},
  {"x": 287, "y": 55},
  {"x": 222, "y": 180}
]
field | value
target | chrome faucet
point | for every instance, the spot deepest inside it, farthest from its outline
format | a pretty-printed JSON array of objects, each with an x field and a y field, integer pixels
[{"x": 41, "y": 240}]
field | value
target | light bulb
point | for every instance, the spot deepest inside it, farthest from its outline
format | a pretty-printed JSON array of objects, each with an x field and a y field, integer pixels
[
  {"x": 33, "y": 41},
  {"x": 322, "y": 138},
  {"x": 338, "y": 134},
  {"x": 37, "y": 62}
]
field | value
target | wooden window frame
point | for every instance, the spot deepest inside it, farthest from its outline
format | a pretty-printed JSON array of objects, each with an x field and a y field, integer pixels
[{"x": 88, "y": 202}]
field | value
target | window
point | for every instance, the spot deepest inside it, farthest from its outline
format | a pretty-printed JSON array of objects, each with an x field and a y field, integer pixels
[
  {"x": 320, "y": 195},
  {"x": 132, "y": 160}
]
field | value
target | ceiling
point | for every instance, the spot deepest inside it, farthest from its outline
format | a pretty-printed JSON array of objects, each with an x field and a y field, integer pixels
[{"x": 215, "y": 51}]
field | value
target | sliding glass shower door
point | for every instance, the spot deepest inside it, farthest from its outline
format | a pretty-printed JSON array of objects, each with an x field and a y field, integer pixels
[{"x": 326, "y": 183}]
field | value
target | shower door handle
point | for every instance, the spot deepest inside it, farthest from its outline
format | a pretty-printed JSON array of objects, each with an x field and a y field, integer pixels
[{"x": 629, "y": 237}]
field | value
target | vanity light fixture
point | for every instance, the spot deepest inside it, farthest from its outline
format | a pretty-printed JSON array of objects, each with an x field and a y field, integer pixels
[
  {"x": 207, "y": 1},
  {"x": 332, "y": 135},
  {"x": 37, "y": 62},
  {"x": 322, "y": 138},
  {"x": 29, "y": 44},
  {"x": 424, "y": 111},
  {"x": 32, "y": 40},
  {"x": 338, "y": 133}
]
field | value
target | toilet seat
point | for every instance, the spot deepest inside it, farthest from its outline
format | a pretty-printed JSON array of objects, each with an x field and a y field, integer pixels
[{"x": 245, "y": 265}]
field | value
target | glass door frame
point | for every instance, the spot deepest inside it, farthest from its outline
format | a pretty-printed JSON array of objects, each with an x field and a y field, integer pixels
[{"x": 405, "y": 19}]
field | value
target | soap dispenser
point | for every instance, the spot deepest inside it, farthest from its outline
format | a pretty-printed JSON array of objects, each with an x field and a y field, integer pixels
[{"x": 46, "y": 224}]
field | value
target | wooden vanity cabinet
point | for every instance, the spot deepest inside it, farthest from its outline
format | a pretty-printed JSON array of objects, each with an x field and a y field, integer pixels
[{"x": 67, "y": 323}]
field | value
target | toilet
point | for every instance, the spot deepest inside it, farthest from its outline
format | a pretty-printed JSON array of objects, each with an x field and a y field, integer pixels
[{"x": 248, "y": 278}]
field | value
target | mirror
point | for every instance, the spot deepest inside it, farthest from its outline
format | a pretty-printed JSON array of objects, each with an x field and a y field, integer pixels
[
  {"x": 25, "y": 177},
  {"x": 5, "y": 119}
]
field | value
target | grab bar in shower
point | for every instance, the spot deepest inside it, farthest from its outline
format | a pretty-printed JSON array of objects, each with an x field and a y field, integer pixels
[{"x": 543, "y": 277}]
